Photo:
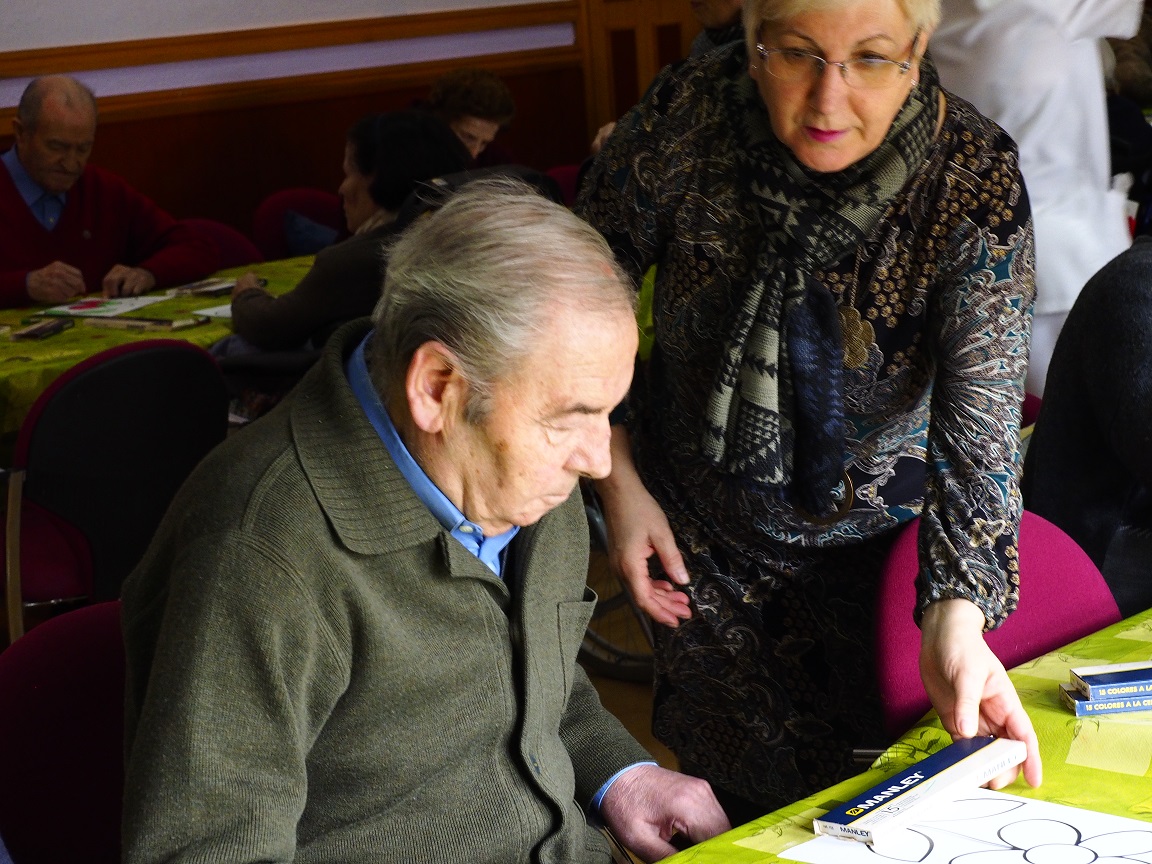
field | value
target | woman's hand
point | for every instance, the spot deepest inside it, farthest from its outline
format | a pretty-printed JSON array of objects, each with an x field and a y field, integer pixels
[
  {"x": 248, "y": 282},
  {"x": 968, "y": 685},
  {"x": 637, "y": 530}
]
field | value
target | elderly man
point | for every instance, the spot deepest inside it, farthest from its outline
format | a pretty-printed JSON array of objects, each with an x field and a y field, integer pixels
[
  {"x": 354, "y": 636},
  {"x": 72, "y": 228}
]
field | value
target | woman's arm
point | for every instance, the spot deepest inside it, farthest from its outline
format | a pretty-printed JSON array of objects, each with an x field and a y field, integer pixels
[
  {"x": 343, "y": 283},
  {"x": 969, "y": 575},
  {"x": 638, "y": 530}
]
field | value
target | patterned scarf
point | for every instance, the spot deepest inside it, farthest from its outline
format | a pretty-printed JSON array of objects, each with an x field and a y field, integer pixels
[{"x": 775, "y": 415}]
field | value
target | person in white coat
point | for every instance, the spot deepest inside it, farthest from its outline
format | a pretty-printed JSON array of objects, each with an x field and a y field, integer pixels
[{"x": 1034, "y": 67}]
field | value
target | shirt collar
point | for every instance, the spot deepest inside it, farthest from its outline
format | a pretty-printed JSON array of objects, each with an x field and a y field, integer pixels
[
  {"x": 488, "y": 549},
  {"x": 29, "y": 189}
]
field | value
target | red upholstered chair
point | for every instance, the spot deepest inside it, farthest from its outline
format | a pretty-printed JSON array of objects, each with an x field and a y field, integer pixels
[
  {"x": 567, "y": 177},
  {"x": 235, "y": 248},
  {"x": 268, "y": 222},
  {"x": 61, "y": 739},
  {"x": 1031, "y": 409},
  {"x": 96, "y": 462},
  {"x": 1062, "y": 598}
]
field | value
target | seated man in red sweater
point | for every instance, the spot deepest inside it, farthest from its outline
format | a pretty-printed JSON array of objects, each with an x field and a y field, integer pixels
[{"x": 73, "y": 228}]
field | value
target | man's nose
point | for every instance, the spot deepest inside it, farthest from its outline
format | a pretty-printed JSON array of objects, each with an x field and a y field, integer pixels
[{"x": 593, "y": 458}]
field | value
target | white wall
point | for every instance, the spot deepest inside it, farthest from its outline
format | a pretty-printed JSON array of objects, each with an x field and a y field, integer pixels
[{"x": 26, "y": 24}]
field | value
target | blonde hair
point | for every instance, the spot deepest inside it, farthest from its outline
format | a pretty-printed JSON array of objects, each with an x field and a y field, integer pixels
[{"x": 924, "y": 15}]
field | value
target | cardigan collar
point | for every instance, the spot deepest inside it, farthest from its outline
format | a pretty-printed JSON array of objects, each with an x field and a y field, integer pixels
[{"x": 371, "y": 506}]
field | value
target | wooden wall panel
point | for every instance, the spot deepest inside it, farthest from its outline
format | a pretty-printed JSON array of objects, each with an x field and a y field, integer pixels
[
  {"x": 221, "y": 162},
  {"x": 217, "y": 151},
  {"x": 629, "y": 42}
]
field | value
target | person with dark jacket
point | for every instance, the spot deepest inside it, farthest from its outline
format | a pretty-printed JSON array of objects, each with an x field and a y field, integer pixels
[
  {"x": 385, "y": 157},
  {"x": 1088, "y": 468}
]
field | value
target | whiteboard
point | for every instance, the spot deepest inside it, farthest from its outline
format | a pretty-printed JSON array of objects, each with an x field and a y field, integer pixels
[{"x": 29, "y": 24}]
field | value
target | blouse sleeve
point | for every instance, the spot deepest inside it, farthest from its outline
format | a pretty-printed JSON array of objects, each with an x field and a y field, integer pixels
[
  {"x": 625, "y": 194},
  {"x": 979, "y": 328}
]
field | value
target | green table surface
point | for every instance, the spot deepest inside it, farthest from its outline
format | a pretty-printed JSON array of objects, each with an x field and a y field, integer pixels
[
  {"x": 1101, "y": 763},
  {"x": 28, "y": 367}
]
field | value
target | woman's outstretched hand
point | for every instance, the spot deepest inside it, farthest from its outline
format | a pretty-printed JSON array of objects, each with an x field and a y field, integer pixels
[
  {"x": 637, "y": 531},
  {"x": 968, "y": 685}
]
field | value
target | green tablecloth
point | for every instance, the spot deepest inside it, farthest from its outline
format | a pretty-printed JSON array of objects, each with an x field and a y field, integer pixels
[
  {"x": 28, "y": 367},
  {"x": 1101, "y": 763}
]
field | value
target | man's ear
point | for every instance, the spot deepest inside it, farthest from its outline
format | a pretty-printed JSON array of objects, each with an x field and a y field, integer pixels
[{"x": 435, "y": 388}]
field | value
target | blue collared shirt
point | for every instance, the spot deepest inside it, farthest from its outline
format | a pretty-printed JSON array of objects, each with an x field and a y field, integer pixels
[
  {"x": 487, "y": 549},
  {"x": 45, "y": 206},
  {"x": 490, "y": 550}
]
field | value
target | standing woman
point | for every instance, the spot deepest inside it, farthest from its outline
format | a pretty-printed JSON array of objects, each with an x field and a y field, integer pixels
[{"x": 843, "y": 294}]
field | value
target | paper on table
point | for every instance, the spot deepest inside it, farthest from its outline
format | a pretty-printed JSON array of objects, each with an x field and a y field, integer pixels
[
  {"x": 103, "y": 306},
  {"x": 224, "y": 311},
  {"x": 993, "y": 828}
]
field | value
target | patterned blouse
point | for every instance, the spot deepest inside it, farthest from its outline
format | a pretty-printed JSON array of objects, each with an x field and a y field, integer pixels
[{"x": 935, "y": 310}]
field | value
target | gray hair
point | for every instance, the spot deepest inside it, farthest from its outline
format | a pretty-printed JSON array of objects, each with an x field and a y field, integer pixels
[
  {"x": 485, "y": 275},
  {"x": 923, "y": 15},
  {"x": 67, "y": 89}
]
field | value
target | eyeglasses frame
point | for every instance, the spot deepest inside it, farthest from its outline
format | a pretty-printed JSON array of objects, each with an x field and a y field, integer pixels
[{"x": 903, "y": 65}]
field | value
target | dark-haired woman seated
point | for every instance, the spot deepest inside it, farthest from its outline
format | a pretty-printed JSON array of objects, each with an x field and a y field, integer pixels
[{"x": 386, "y": 155}]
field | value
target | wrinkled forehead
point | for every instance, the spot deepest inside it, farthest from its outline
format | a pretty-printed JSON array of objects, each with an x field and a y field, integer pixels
[{"x": 69, "y": 120}]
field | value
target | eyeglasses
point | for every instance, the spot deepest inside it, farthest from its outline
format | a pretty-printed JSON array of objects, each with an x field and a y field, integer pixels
[{"x": 864, "y": 73}]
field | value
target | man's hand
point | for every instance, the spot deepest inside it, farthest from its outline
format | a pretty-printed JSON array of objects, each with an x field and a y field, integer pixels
[
  {"x": 649, "y": 805},
  {"x": 123, "y": 281},
  {"x": 56, "y": 283},
  {"x": 248, "y": 282},
  {"x": 968, "y": 685}
]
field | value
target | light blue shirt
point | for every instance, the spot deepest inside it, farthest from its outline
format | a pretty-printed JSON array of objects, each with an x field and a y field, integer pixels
[
  {"x": 487, "y": 549},
  {"x": 490, "y": 550},
  {"x": 45, "y": 206}
]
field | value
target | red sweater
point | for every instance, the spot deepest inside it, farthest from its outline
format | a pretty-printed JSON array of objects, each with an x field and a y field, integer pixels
[{"x": 105, "y": 222}]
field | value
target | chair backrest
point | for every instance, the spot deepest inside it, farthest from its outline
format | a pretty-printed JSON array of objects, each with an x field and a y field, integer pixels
[
  {"x": 567, "y": 177},
  {"x": 1062, "y": 598},
  {"x": 268, "y": 225},
  {"x": 1030, "y": 410},
  {"x": 61, "y": 739},
  {"x": 235, "y": 248},
  {"x": 106, "y": 446}
]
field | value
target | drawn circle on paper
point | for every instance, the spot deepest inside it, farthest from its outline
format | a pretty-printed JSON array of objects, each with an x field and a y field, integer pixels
[{"x": 1059, "y": 853}]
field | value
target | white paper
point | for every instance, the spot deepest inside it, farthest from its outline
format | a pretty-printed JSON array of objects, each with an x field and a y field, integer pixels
[
  {"x": 986, "y": 827},
  {"x": 223, "y": 311}
]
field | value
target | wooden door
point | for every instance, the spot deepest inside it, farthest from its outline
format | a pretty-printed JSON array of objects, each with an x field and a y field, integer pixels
[{"x": 629, "y": 41}]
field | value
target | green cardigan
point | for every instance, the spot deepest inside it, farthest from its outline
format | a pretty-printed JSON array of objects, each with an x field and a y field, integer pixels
[{"x": 318, "y": 672}]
